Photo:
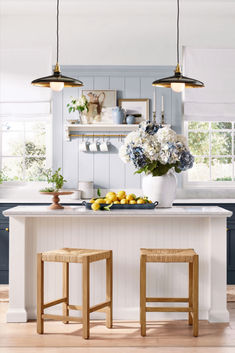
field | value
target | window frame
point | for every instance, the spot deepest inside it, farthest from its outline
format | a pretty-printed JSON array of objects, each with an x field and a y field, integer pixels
[
  {"x": 49, "y": 152},
  {"x": 211, "y": 184}
]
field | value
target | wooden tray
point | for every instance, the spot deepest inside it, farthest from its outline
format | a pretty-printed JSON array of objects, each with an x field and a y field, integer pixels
[{"x": 143, "y": 206}]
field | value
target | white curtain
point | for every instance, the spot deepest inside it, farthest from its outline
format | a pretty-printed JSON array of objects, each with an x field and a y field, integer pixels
[
  {"x": 216, "y": 68},
  {"x": 18, "y": 67}
]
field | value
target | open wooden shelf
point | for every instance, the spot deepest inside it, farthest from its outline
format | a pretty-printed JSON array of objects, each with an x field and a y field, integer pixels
[{"x": 105, "y": 128}]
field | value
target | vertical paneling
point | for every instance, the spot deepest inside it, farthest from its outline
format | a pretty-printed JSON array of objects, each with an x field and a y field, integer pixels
[
  {"x": 106, "y": 169},
  {"x": 86, "y": 165},
  {"x": 118, "y": 84},
  {"x": 88, "y": 82},
  {"x": 125, "y": 236},
  {"x": 117, "y": 167},
  {"x": 166, "y": 94},
  {"x": 70, "y": 149},
  {"x": 101, "y": 82},
  {"x": 146, "y": 91},
  {"x": 176, "y": 108},
  {"x": 71, "y": 163},
  {"x": 101, "y": 170},
  {"x": 132, "y": 87},
  {"x": 58, "y": 129},
  {"x": 132, "y": 180}
]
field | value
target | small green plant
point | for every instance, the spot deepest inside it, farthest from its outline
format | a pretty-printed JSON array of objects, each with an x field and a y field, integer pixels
[
  {"x": 56, "y": 179},
  {"x": 79, "y": 104},
  {"x": 3, "y": 176}
]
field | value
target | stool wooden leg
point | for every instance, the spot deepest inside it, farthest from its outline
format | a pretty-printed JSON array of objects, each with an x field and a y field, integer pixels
[
  {"x": 40, "y": 293},
  {"x": 190, "y": 292},
  {"x": 85, "y": 297},
  {"x": 195, "y": 295},
  {"x": 66, "y": 289},
  {"x": 109, "y": 290},
  {"x": 143, "y": 294}
]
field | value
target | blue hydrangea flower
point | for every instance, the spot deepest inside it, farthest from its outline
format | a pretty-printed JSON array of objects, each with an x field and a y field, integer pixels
[
  {"x": 186, "y": 160},
  {"x": 137, "y": 156},
  {"x": 152, "y": 128}
]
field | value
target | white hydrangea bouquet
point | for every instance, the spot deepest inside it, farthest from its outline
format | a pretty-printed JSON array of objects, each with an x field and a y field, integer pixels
[
  {"x": 79, "y": 104},
  {"x": 155, "y": 149}
]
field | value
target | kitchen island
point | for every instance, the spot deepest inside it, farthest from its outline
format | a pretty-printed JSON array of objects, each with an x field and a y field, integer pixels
[{"x": 36, "y": 229}]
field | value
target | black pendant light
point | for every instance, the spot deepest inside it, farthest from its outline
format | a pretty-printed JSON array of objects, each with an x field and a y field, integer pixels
[
  {"x": 178, "y": 82},
  {"x": 57, "y": 81}
]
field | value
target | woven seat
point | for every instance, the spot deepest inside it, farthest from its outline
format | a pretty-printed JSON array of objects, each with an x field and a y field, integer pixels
[
  {"x": 75, "y": 255},
  {"x": 170, "y": 256},
  {"x": 85, "y": 257}
]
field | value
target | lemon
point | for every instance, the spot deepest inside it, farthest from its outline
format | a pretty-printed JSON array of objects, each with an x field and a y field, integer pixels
[
  {"x": 92, "y": 201},
  {"x": 108, "y": 200},
  {"x": 121, "y": 195},
  {"x": 124, "y": 201},
  {"x": 95, "y": 206},
  {"x": 116, "y": 202},
  {"x": 132, "y": 202},
  {"x": 110, "y": 193},
  {"x": 140, "y": 201},
  {"x": 111, "y": 196},
  {"x": 129, "y": 197},
  {"x": 100, "y": 201}
]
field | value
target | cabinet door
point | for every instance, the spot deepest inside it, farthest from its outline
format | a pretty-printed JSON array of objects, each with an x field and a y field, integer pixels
[
  {"x": 4, "y": 254},
  {"x": 231, "y": 253}
]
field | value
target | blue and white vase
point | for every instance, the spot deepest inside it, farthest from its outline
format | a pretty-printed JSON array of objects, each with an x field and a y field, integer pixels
[{"x": 118, "y": 115}]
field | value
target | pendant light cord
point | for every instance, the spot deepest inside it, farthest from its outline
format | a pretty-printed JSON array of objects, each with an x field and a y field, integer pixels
[
  {"x": 178, "y": 18},
  {"x": 57, "y": 33}
]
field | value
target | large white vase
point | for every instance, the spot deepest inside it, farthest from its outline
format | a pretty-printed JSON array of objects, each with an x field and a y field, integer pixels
[{"x": 160, "y": 188}]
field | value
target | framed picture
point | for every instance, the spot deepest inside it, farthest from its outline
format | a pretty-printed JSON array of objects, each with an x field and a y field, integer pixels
[
  {"x": 100, "y": 104},
  {"x": 137, "y": 107},
  {"x": 106, "y": 98}
]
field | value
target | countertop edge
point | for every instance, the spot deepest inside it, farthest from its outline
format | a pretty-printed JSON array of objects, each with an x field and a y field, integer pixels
[{"x": 208, "y": 211}]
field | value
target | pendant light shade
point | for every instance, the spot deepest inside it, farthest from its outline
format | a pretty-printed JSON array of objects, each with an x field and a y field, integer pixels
[
  {"x": 178, "y": 82},
  {"x": 57, "y": 81}
]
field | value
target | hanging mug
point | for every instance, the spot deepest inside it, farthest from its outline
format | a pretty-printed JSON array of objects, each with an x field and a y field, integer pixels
[{"x": 93, "y": 147}]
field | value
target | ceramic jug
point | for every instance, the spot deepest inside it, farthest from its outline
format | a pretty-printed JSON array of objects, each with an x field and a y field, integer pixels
[{"x": 118, "y": 115}]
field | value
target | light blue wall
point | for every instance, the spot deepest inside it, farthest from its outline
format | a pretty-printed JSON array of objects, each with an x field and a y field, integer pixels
[{"x": 106, "y": 169}]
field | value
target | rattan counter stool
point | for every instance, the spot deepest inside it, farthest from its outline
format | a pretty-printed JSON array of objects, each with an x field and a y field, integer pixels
[
  {"x": 170, "y": 255},
  {"x": 85, "y": 257}
]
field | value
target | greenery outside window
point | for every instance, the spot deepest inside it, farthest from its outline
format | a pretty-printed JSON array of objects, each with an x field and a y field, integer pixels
[
  {"x": 25, "y": 148},
  {"x": 212, "y": 144}
]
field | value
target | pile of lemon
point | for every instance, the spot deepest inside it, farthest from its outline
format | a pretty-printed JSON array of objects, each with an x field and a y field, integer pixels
[{"x": 118, "y": 198}]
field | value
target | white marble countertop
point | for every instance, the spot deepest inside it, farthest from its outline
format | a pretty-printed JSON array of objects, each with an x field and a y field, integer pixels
[
  {"x": 68, "y": 201},
  {"x": 81, "y": 211}
]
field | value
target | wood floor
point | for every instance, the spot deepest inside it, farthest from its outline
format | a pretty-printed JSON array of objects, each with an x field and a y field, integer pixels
[{"x": 164, "y": 337}]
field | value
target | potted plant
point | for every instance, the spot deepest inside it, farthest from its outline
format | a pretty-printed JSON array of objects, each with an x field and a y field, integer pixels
[
  {"x": 159, "y": 152},
  {"x": 55, "y": 181},
  {"x": 78, "y": 104}
]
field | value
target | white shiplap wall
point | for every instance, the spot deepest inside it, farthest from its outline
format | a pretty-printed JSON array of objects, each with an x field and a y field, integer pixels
[{"x": 106, "y": 169}]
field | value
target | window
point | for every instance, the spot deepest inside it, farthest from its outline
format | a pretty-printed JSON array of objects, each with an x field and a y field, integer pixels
[
  {"x": 212, "y": 144},
  {"x": 25, "y": 148}
]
